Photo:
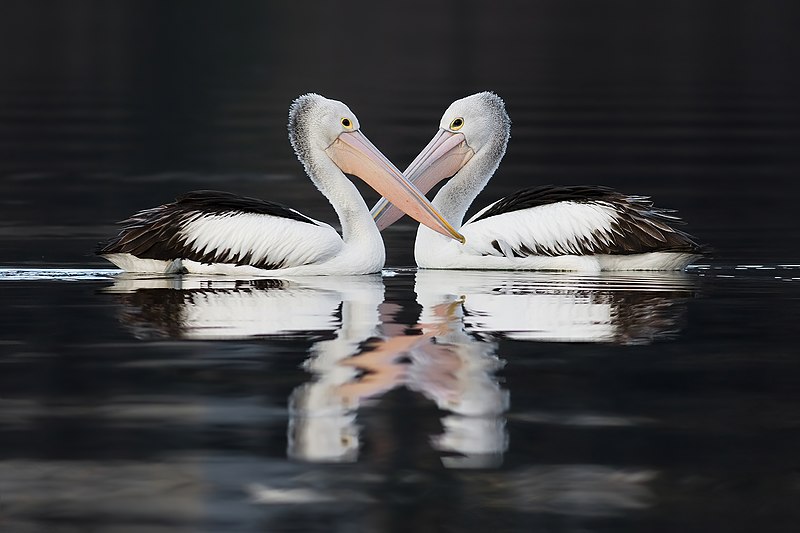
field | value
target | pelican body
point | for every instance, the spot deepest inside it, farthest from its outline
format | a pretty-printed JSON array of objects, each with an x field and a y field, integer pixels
[
  {"x": 583, "y": 228},
  {"x": 212, "y": 232}
]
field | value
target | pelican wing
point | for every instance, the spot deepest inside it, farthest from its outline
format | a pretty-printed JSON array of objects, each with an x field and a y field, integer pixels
[
  {"x": 579, "y": 220},
  {"x": 219, "y": 227}
]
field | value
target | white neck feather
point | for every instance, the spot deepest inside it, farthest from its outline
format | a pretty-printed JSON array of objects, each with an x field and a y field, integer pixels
[
  {"x": 455, "y": 197},
  {"x": 354, "y": 216}
]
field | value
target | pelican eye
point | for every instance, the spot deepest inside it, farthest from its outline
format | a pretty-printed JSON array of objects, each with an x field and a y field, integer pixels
[
  {"x": 347, "y": 123},
  {"x": 457, "y": 124}
]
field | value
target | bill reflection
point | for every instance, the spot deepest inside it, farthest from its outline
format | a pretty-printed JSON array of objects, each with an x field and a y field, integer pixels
[{"x": 436, "y": 359}]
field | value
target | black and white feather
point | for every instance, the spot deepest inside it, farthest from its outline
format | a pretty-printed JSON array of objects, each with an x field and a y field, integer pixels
[
  {"x": 576, "y": 220},
  {"x": 213, "y": 227}
]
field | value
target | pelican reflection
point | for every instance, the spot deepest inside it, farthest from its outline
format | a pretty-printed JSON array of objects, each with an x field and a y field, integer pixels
[
  {"x": 439, "y": 360},
  {"x": 220, "y": 308},
  {"x": 616, "y": 308},
  {"x": 362, "y": 348}
]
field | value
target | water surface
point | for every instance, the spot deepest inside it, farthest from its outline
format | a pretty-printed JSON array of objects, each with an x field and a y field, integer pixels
[{"x": 464, "y": 399}]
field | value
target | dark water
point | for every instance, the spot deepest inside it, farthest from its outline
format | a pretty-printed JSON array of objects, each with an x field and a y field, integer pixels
[
  {"x": 403, "y": 401},
  {"x": 407, "y": 401}
]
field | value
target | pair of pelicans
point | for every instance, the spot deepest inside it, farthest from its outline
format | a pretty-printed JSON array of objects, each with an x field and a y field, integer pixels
[{"x": 585, "y": 229}]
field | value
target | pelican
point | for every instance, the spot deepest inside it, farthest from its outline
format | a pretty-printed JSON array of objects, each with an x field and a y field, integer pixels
[
  {"x": 211, "y": 232},
  {"x": 583, "y": 228}
]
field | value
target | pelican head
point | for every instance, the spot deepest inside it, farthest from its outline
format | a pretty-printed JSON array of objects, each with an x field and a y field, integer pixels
[
  {"x": 473, "y": 134},
  {"x": 323, "y": 131}
]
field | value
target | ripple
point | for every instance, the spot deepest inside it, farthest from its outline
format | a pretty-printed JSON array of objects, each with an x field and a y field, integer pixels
[
  {"x": 785, "y": 272},
  {"x": 65, "y": 274}
]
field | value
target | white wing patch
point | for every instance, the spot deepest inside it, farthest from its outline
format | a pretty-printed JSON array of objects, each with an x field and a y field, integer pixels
[
  {"x": 260, "y": 240},
  {"x": 563, "y": 228}
]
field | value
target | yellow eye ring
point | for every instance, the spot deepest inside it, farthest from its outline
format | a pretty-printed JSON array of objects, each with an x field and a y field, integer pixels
[
  {"x": 457, "y": 124},
  {"x": 347, "y": 123}
]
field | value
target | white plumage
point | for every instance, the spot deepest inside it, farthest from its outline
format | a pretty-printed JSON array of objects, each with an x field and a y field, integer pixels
[
  {"x": 264, "y": 237},
  {"x": 558, "y": 227}
]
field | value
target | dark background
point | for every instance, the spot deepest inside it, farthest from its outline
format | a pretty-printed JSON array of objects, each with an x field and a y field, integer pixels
[{"x": 107, "y": 107}]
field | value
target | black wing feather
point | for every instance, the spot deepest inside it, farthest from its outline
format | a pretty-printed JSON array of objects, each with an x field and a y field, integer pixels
[{"x": 155, "y": 233}]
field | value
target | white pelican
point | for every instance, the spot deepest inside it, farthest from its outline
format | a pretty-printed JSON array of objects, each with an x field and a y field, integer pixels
[
  {"x": 541, "y": 228},
  {"x": 213, "y": 232}
]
